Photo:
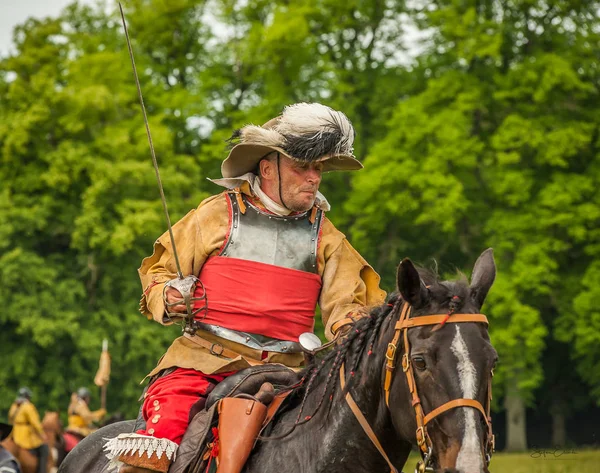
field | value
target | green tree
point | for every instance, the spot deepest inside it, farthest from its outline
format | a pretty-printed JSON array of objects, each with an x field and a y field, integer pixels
[
  {"x": 488, "y": 138},
  {"x": 80, "y": 206},
  {"x": 500, "y": 150}
]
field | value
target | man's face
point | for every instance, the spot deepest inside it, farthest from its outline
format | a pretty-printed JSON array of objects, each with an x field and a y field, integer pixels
[{"x": 299, "y": 182}]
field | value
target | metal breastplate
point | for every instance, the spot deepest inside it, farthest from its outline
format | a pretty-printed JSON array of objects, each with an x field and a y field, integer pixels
[{"x": 289, "y": 242}]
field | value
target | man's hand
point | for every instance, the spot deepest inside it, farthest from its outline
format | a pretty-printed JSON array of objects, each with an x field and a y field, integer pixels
[{"x": 172, "y": 295}]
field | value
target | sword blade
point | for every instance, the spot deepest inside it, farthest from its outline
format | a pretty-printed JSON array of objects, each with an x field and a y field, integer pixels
[{"x": 154, "y": 161}]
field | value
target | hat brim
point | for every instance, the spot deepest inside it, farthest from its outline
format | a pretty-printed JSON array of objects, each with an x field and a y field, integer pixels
[
  {"x": 5, "y": 430},
  {"x": 244, "y": 158}
]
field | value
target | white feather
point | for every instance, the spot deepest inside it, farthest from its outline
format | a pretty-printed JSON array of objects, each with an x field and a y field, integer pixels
[
  {"x": 258, "y": 135},
  {"x": 313, "y": 119}
]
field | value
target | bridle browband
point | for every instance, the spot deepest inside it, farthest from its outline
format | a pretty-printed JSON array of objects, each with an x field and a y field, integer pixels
[{"x": 405, "y": 322}]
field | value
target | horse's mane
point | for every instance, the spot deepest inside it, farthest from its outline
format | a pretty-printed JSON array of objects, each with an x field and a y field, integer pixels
[
  {"x": 362, "y": 336},
  {"x": 349, "y": 351}
]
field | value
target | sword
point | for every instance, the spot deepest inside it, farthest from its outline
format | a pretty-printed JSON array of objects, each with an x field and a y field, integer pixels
[{"x": 186, "y": 284}]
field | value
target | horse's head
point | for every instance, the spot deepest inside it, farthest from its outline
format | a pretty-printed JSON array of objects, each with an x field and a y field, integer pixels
[{"x": 448, "y": 362}]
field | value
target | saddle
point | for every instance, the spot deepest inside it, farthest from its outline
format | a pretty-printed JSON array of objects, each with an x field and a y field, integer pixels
[{"x": 197, "y": 446}]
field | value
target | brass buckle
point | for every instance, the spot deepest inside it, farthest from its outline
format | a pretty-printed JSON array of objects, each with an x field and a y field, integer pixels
[
  {"x": 212, "y": 349},
  {"x": 405, "y": 362},
  {"x": 390, "y": 353},
  {"x": 421, "y": 436}
]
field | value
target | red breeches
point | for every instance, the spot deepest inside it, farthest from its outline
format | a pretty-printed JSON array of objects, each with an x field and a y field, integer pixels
[{"x": 172, "y": 400}]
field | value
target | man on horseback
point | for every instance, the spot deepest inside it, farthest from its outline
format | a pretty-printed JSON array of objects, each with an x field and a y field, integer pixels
[
  {"x": 265, "y": 255},
  {"x": 27, "y": 428},
  {"x": 8, "y": 463},
  {"x": 80, "y": 416}
]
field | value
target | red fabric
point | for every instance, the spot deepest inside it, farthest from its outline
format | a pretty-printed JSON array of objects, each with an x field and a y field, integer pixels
[
  {"x": 259, "y": 298},
  {"x": 71, "y": 441},
  {"x": 174, "y": 395}
]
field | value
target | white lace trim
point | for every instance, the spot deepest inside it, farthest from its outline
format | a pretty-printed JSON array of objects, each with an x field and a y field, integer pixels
[{"x": 140, "y": 444}]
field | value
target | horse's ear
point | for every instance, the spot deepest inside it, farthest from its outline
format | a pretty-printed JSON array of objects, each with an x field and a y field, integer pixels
[
  {"x": 410, "y": 285},
  {"x": 484, "y": 273}
]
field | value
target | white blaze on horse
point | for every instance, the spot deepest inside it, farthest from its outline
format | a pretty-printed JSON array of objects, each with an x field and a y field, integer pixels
[{"x": 416, "y": 372}]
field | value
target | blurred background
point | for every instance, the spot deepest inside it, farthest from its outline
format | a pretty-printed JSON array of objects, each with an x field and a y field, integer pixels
[{"x": 478, "y": 122}]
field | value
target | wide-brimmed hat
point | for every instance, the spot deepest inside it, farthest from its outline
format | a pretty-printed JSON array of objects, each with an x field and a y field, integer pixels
[
  {"x": 5, "y": 430},
  {"x": 308, "y": 132}
]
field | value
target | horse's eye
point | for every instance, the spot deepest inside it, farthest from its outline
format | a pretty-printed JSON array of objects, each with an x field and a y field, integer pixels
[{"x": 419, "y": 363}]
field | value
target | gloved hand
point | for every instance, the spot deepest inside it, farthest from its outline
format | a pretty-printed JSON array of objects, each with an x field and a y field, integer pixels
[
  {"x": 174, "y": 290},
  {"x": 172, "y": 295}
]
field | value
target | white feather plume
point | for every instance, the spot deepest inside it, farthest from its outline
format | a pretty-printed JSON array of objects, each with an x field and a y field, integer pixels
[
  {"x": 262, "y": 136},
  {"x": 305, "y": 131},
  {"x": 313, "y": 120}
]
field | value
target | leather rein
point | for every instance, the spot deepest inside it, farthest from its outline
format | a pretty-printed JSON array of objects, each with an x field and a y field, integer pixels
[{"x": 404, "y": 324}]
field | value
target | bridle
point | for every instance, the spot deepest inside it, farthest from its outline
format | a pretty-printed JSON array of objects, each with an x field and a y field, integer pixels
[{"x": 404, "y": 324}]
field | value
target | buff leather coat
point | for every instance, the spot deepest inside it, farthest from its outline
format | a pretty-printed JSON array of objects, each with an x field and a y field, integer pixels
[{"x": 348, "y": 285}]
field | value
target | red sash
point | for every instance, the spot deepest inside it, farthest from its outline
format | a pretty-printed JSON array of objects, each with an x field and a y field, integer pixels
[{"x": 259, "y": 298}]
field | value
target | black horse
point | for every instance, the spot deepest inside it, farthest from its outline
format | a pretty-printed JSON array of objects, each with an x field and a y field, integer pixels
[{"x": 320, "y": 433}]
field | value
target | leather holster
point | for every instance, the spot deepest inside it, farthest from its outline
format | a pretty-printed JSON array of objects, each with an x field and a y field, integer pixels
[{"x": 240, "y": 422}]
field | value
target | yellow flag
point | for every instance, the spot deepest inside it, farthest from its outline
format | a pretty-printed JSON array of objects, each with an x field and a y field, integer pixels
[{"x": 103, "y": 373}]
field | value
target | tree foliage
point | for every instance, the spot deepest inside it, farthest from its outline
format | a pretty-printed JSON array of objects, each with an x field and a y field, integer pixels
[
  {"x": 488, "y": 137},
  {"x": 501, "y": 150}
]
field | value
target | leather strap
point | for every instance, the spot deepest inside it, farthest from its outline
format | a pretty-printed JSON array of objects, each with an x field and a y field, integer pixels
[
  {"x": 341, "y": 323},
  {"x": 215, "y": 348},
  {"x": 454, "y": 404},
  {"x": 336, "y": 326},
  {"x": 364, "y": 423},
  {"x": 491, "y": 440},
  {"x": 390, "y": 354},
  {"x": 239, "y": 199},
  {"x": 401, "y": 328},
  {"x": 275, "y": 405},
  {"x": 436, "y": 319},
  {"x": 423, "y": 440}
]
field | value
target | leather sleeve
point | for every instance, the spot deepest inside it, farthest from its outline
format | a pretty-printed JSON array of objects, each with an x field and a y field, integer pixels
[
  {"x": 350, "y": 285},
  {"x": 197, "y": 235}
]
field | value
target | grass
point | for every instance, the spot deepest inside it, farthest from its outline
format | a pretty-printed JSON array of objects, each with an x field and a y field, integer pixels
[{"x": 548, "y": 461}]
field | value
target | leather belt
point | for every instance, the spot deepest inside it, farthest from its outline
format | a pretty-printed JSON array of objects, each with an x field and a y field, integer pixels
[{"x": 213, "y": 347}]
